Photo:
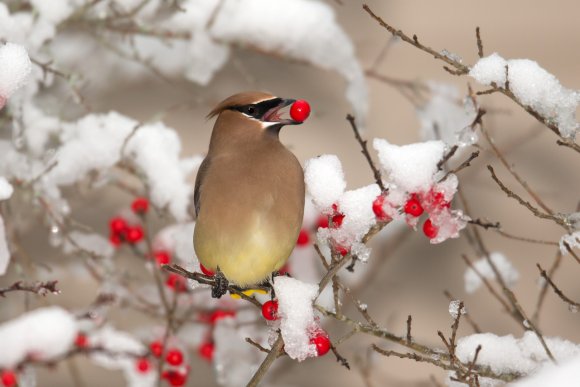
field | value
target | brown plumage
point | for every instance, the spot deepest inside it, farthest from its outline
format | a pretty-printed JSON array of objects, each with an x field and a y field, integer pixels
[{"x": 249, "y": 191}]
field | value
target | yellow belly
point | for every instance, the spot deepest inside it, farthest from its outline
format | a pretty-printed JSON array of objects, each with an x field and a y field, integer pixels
[{"x": 248, "y": 251}]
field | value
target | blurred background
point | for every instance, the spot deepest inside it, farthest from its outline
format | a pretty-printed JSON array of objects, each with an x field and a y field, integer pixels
[{"x": 408, "y": 274}]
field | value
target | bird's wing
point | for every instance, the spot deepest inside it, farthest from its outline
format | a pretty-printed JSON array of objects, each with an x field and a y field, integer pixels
[{"x": 201, "y": 172}]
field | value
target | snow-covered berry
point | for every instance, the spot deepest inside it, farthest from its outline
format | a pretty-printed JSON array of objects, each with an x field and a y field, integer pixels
[
  {"x": 206, "y": 271},
  {"x": 174, "y": 357},
  {"x": 429, "y": 229},
  {"x": 300, "y": 110},
  {"x": 270, "y": 310},
  {"x": 378, "y": 209},
  {"x": 219, "y": 314},
  {"x": 134, "y": 234},
  {"x": 303, "y": 238},
  {"x": 143, "y": 365},
  {"x": 156, "y": 348},
  {"x": 176, "y": 282},
  {"x": 322, "y": 343},
  {"x": 162, "y": 257},
  {"x": 117, "y": 225},
  {"x": 413, "y": 207},
  {"x": 322, "y": 222},
  {"x": 206, "y": 350},
  {"x": 9, "y": 378},
  {"x": 82, "y": 340},
  {"x": 140, "y": 205}
]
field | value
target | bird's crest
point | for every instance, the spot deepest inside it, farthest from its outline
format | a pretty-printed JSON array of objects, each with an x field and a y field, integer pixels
[{"x": 240, "y": 99}]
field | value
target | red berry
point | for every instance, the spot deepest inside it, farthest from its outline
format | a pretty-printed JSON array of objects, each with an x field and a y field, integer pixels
[
  {"x": 143, "y": 365},
  {"x": 176, "y": 282},
  {"x": 115, "y": 239},
  {"x": 342, "y": 250},
  {"x": 437, "y": 199},
  {"x": 134, "y": 234},
  {"x": 175, "y": 378},
  {"x": 270, "y": 310},
  {"x": 206, "y": 351},
  {"x": 379, "y": 210},
  {"x": 429, "y": 229},
  {"x": 156, "y": 348},
  {"x": 337, "y": 220},
  {"x": 413, "y": 207},
  {"x": 303, "y": 238},
  {"x": 300, "y": 110},
  {"x": 219, "y": 314},
  {"x": 9, "y": 378},
  {"x": 81, "y": 340},
  {"x": 162, "y": 257},
  {"x": 284, "y": 269},
  {"x": 140, "y": 205},
  {"x": 206, "y": 271},
  {"x": 322, "y": 222},
  {"x": 322, "y": 343},
  {"x": 174, "y": 357},
  {"x": 117, "y": 225}
]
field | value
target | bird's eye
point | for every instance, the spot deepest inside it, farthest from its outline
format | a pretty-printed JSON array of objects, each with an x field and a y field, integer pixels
[{"x": 250, "y": 110}]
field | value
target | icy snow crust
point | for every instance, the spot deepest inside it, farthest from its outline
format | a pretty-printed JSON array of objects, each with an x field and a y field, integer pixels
[
  {"x": 45, "y": 333},
  {"x": 532, "y": 86},
  {"x": 296, "y": 316}
]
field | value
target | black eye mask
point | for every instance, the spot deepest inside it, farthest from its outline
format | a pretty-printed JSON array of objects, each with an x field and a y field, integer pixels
[{"x": 258, "y": 110}]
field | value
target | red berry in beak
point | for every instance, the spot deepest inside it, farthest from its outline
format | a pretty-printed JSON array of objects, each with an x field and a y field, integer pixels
[{"x": 300, "y": 110}]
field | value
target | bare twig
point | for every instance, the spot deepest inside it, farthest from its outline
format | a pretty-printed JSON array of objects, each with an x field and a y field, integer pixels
[
  {"x": 563, "y": 297},
  {"x": 365, "y": 152},
  {"x": 272, "y": 356},
  {"x": 40, "y": 288}
]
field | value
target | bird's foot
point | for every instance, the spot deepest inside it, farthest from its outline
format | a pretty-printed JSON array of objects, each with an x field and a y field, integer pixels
[{"x": 221, "y": 284}]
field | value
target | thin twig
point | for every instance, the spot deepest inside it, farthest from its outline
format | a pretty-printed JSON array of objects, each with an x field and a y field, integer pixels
[
  {"x": 40, "y": 288},
  {"x": 365, "y": 152},
  {"x": 557, "y": 290},
  {"x": 272, "y": 356}
]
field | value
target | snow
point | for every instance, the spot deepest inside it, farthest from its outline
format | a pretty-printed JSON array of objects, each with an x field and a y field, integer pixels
[
  {"x": 121, "y": 351},
  {"x": 38, "y": 127},
  {"x": 505, "y": 354},
  {"x": 46, "y": 332},
  {"x": 454, "y": 308},
  {"x": 324, "y": 181},
  {"x": 6, "y": 189},
  {"x": 357, "y": 206},
  {"x": 15, "y": 67},
  {"x": 235, "y": 361},
  {"x": 566, "y": 374},
  {"x": 446, "y": 116},
  {"x": 303, "y": 30},
  {"x": 93, "y": 243},
  {"x": 296, "y": 316},
  {"x": 490, "y": 69},
  {"x": 572, "y": 240},
  {"x": 53, "y": 11},
  {"x": 534, "y": 87},
  {"x": 95, "y": 143},
  {"x": 509, "y": 273},
  {"x": 409, "y": 167}
]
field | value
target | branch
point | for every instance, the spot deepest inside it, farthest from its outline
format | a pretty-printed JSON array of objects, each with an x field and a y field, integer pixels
[
  {"x": 40, "y": 288},
  {"x": 365, "y": 152}
]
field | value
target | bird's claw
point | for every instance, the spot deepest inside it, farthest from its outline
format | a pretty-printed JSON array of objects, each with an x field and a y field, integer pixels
[{"x": 220, "y": 286}]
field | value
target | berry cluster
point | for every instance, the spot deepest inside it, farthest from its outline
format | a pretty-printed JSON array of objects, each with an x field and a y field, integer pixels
[
  {"x": 442, "y": 222},
  {"x": 318, "y": 337},
  {"x": 175, "y": 371},
  {"x": 122, "y": 230}
]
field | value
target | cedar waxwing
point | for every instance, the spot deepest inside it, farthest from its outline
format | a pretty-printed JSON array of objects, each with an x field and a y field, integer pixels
[{"x": 249, "y": 191}]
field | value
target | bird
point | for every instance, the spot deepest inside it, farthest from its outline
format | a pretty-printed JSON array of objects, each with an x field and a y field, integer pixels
[{"x": 249, "y": 192}]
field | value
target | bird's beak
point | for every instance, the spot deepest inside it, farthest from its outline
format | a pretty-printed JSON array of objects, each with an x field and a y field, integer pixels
[{"x": 275, "y": 113}]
